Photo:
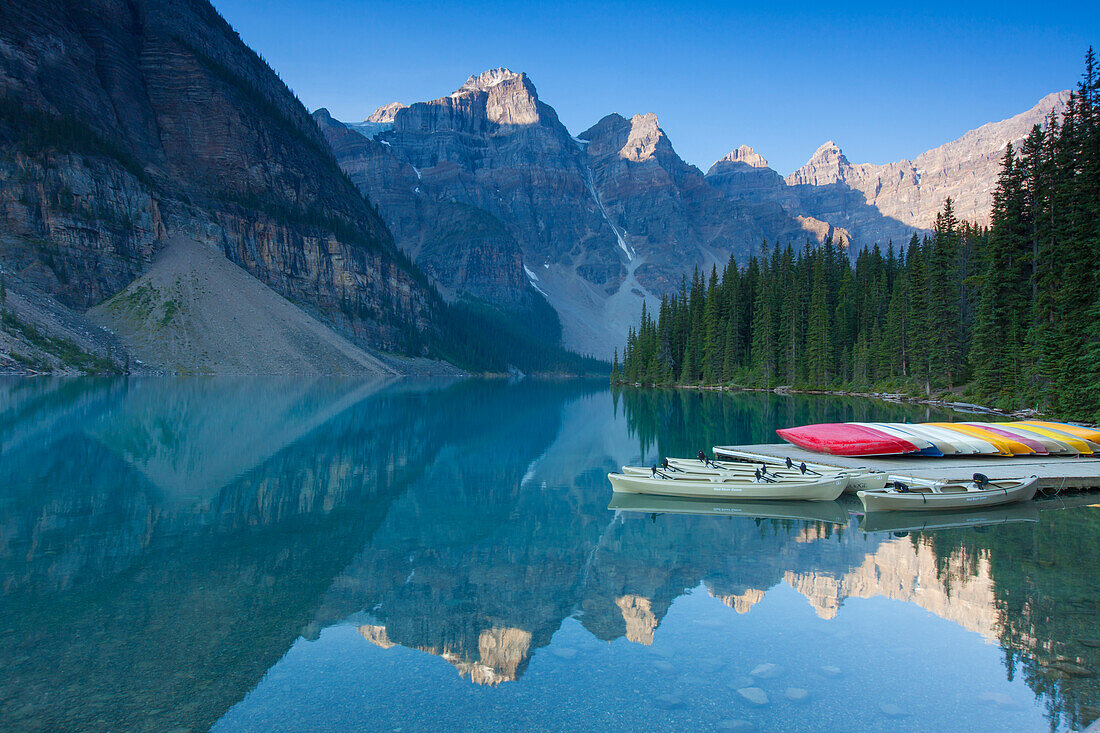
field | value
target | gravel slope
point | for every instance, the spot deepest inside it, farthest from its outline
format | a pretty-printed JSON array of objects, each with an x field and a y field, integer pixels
[
  {"x": 38, "y": 335},
  {"x": 195, "y": 312}
]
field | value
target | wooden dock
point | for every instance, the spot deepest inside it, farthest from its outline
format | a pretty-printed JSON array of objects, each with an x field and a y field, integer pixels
[{"x": 1056, "y": 473}]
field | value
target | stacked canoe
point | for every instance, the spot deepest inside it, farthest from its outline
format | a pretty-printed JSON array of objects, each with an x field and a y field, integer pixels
[{"x": 1030, "y": 437}]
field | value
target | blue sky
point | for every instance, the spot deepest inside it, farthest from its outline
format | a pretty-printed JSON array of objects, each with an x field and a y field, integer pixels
[{"x": 882, "y": 80}]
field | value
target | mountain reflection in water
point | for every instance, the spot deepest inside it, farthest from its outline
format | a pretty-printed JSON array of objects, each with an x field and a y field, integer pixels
[{"x": 232, "y": 553}]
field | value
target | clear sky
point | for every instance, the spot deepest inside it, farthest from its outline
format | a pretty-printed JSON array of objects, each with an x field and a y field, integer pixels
[{"x": 884, "y": 80}]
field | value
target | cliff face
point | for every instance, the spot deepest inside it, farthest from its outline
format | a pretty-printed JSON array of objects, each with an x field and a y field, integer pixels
[
  {"x": 595, "y": 223},
  {"x": 667, "y": 211},
  {"x": 122, "y": 123},
  {"x": 463, "y": 248}
]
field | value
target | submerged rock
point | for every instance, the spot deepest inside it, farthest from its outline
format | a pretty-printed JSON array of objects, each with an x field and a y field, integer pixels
[
  {"x": 831, "y": 671},
  {"x": 754, "y": 695},
  {"x": 797, "y": 694},
  {"x": 767, "y": 671},
  {"x": 734, "y": 724}
]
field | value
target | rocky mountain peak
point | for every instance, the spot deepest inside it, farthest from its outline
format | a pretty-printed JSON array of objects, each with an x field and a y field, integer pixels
[
  {"x": 827, "y": 165},
  {"x": 509, "y": 98},
  {"x": 385, "y": 113},
  {"x": 744, "y": 155},
  {"x": 488, "y": 79},
  {"x": 644, "y": 137}
]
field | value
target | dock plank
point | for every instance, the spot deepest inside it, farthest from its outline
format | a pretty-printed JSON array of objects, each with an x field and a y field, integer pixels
[{"x": 1056, "y": 473}]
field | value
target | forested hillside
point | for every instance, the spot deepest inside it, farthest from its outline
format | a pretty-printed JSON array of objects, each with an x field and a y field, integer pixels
[{"x": 1004, "y": 313}]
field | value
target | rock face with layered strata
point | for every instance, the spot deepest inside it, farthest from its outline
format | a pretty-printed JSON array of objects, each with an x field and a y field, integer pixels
[
  {"x": 125, "y": 123},
  {"x": 601, "y": 221}
]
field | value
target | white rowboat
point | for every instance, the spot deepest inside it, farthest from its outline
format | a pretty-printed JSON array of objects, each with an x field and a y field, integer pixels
[
  {"x": 950, "y": 495},
  {"x": 859, "y": 478},
  {"x": 732, "y": 487}
]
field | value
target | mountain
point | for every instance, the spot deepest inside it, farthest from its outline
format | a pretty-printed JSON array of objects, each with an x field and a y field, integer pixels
[
  {"x": 600, "y": 221},
  {"x": 879, "y": 203},
  {"x": 125, "y": 124}
]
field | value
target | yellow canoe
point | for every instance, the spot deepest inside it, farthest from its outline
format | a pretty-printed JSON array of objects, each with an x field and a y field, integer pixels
[
  {"x": 1007, "y": 446},
  {"x": 1090, "y": 434},
  {"x": 1079, "y": 444}
]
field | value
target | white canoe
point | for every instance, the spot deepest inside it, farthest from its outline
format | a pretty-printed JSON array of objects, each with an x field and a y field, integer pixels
[
  {"x": 859, "y": 479},
  {"x": 966, "y": 444},
  {"x": 810, "y": 511},
  {"x": 732, "y": 487},
  {"x": 952, "y": 495},
  {"x": 890, "y": 429},
  {"x": 947, "y": 447},
  {"x": 776, "y": 475},
  {"x": 689, "y": 473}
]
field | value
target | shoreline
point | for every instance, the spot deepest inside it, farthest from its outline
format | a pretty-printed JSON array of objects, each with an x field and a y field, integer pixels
[{"x": 895, "y": 397}]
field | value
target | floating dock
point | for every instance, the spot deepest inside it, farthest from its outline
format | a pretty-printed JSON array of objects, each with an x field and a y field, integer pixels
[{"x": 1056, "y": 473}]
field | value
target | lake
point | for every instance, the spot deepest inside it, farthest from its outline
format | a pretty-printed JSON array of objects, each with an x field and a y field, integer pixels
[{"x": 295, "y": 554}]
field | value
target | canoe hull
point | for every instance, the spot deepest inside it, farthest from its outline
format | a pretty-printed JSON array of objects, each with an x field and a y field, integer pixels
[
  {"x": 737, "y": 489},
  {"x": 842, "y": 439},
  {"x": 920, "y": 501}
]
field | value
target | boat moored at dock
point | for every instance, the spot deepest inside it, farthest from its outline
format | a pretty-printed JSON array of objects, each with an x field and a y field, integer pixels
[
  {"x": 733, "y": 487},
  {"x": 979, "y": 492}
]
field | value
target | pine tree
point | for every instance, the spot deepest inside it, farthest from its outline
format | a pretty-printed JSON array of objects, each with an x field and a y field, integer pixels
[{"x": 1010, "y": 306}]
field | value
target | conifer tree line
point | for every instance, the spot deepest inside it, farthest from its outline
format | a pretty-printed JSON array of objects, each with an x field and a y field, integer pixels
[{"x": 1009, "y": 313}]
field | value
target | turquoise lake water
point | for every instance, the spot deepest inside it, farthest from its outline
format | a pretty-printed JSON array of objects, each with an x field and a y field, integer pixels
[{"x": 286, "y": 555}]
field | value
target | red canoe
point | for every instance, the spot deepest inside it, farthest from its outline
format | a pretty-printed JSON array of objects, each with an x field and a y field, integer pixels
[{"x": 843, "y": 439}]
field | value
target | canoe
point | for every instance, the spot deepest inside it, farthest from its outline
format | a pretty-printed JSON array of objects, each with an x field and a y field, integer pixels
[
  {"x": 953, "y": 495},
  {"x": 1064, "y": 445},
  {"x": 733, "y": 487},
  {"x": 859, "y": 479},
  {"x": 809, "y": 511},
  {"x": 844, "y": 439},
  {"x": 1028, "y": 440},
  {"x": 1004, "y": 446},
  {"x": 943, "y": 445},
  {"x": 1091, "y": 434},
  {"x": 691, "y": 473},
  {"x": 1083, "y": 446},
  {"x": 963, "y": 444},
  {"x": 1024, "y": 511},
  {"x": 680, "y": 469},
  {"x": 925, "y": 447}
]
